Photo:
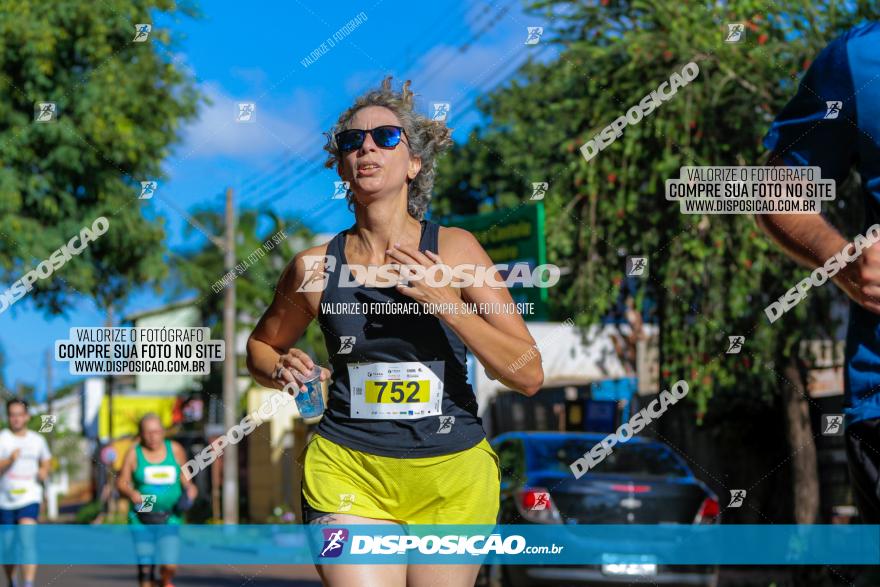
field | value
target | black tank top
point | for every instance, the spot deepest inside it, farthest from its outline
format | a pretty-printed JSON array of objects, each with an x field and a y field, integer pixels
[{"x": 382, "y": 337}]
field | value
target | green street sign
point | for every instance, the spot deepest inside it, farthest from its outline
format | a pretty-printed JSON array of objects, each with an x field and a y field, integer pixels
[{"x": 514, "y": 235}]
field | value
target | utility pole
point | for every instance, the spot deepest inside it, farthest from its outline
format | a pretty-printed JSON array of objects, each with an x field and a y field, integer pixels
[
  {"x": 49, "y": 394},
  {"x": 230, "y": 392},
  {"x": 108, "y": 382},
  {"x": 48, "y": 356}
]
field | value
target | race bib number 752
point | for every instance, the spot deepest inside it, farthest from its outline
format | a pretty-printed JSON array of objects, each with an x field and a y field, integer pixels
[
  {"x": 398, "y": 392},
  {"x": 402, "y": 390}
]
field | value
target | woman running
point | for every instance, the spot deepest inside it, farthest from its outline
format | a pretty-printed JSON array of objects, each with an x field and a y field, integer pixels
[
  {"x": 151, "y": 478},
  {"x": 400, "y": 441}
]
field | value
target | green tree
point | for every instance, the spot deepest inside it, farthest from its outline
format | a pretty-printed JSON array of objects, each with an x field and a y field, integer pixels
[
  {"x": 120, "y": 107},
  {"x": 265, "y": 243},
  {"x": 710, "y": 277}
]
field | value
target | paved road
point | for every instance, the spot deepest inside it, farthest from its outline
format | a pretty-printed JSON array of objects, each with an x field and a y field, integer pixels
[
  {"x": 188, "y": 576},
  {"x": 301, "y": 576}
]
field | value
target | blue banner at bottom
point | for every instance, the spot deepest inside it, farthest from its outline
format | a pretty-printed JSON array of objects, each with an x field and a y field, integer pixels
[{"x": 454, "y": 544}]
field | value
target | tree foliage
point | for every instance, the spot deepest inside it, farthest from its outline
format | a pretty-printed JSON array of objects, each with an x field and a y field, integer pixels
[
  {"x": 265, "y": 243},
  {"x": 710, "y": 276},
  {"x": 120, "y": 107}
]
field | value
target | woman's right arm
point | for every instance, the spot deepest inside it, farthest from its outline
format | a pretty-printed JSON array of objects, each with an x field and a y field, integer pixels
[
  {"x": 270, "y": 353},
  {"x": 123, "y": 482}
]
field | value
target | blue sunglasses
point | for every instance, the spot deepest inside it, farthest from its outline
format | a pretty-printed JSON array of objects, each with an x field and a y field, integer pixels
[{"x": 385, "y": 137}]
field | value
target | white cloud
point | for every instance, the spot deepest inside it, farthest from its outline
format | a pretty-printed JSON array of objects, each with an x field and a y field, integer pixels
[
  {"x": 254, "y": 76},
  {"x": 281, "y": 125},
  {"x": 446, "y": 75}
]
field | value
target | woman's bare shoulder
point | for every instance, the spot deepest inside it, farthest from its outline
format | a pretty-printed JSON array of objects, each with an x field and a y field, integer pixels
[
  {"x": 315, "y": 251},
  {"x": 458, "y": 244},
  {"x": 304, "y": 264}
]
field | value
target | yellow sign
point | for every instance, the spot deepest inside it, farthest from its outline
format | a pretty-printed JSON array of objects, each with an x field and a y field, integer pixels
[{"x": 128, "y": 410}]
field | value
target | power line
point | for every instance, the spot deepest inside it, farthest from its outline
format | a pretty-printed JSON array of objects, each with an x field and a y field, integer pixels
[
  {"x": 476, "y": 93},
  {"x": 307, "y": 168},
  {"x": 284, "y": 161},
  {"x": 301, "y": 173}
]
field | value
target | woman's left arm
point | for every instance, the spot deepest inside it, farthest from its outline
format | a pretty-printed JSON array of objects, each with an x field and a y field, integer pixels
[
  {"x": 500, "y": 341},
  {"x": 180, "y": 456}
]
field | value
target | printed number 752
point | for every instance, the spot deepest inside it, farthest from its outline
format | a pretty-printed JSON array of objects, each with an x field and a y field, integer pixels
[{"x": 397, "y": 392}]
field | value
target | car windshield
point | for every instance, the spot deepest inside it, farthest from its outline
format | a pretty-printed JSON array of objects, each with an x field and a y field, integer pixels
[{"x": 556, "y": 454}]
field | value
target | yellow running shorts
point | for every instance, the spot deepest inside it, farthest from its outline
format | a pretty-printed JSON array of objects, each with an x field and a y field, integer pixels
[{"x": 458, "y": 488}]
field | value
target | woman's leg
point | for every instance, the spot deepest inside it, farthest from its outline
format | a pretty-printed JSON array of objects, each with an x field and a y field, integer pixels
[
  {"x": 441, "y": 575},
  {"x": 145, "y": 576},
  {"x": 166, "y": 573},
  {"x": 360, "y": 575},
  {"x": 445, "y": 575},
  {"x": 168, "y": 542},
  {"x": 29, "y": 571},
  {"x": 10, "y": 573},
  {"x": 470, "y": 490},
  {"x": 144, "y": 550}
]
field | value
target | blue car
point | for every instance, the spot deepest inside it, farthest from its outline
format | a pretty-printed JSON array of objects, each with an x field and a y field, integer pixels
[{"x": 642, "y": 481}]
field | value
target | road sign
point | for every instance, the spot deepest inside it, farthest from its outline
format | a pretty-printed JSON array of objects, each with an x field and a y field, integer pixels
[{"x": 514, "y": 235}]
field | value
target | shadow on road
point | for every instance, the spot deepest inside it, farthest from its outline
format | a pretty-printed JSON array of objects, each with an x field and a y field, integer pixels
[{"x": 187, "y": 576}]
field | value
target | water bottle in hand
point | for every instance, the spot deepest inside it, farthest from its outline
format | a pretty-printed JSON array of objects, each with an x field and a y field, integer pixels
[{"x": 310, "y": 402}]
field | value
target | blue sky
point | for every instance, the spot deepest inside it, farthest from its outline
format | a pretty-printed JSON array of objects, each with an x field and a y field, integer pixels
[{"x": 452, "y": 52}]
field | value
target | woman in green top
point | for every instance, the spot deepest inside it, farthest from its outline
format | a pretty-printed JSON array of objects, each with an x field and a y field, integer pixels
[{"x": 151, "y": 477}]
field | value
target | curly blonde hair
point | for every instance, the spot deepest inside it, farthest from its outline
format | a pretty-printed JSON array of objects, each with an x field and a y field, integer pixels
[{"x": 427, "y": 139}]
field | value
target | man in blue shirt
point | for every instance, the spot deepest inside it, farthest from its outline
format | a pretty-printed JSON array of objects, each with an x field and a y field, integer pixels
[{"x": 833, "y": 122}]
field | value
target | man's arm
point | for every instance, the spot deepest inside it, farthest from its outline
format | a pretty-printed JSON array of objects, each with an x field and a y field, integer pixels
[
  {"x": 804, "y": 134},
  {"x": 45, "y": 459},
  {"x": 45, "y": 468},
  {"x": 7, "y": 462},
  {"x": 811, "y": 240}
]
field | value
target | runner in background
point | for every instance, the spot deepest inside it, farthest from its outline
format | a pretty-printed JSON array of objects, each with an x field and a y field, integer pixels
[
  {"x": 833, "y": 122},
  {"x": 400, "y": 441},
  {"x": 151, "y": 477},
  {"x": 24, "y": 466}
]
